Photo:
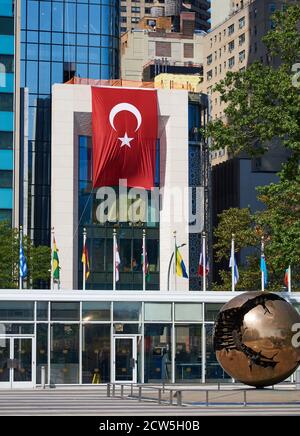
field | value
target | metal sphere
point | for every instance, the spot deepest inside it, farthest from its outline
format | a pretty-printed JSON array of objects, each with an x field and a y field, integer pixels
[{"x": 253, "y": 338}]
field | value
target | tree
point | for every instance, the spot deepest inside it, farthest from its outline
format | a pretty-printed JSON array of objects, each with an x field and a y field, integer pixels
[
  {"x": 38, "y": 259},
  {"x": 263, "y": 102}
]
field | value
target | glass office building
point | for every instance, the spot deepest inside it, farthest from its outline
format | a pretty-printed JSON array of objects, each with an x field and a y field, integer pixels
[
  {"x": 6, "y": 108},
  {"x": 60, "y": 39}
]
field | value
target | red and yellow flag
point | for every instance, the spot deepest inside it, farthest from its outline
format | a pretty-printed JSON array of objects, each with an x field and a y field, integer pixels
[{"x": 85, "y": 261}]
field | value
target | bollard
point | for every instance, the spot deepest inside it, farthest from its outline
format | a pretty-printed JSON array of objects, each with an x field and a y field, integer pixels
[
  {"x": 206, "y": 399},
  {"x": 131, "y": 390},
  {"x": 164, "y": 387},
  {"x": 245, "y": 398},
  {"x": 122, "y": 391},
  {"x": 179, "y": 398},
  {"x": 218, "y": 386},
  {"x": 140, "y": 393},
  {"x": 108, "y": 390},
  {"x": 159, "y": 396},
  {"x": 43, "y": 377},
  {"x": 171, "y": 398},
  {"x": 113, "y": 390}
]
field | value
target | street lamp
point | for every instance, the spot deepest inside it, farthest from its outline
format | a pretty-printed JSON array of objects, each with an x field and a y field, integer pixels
[{"x": 170, "y": 263}]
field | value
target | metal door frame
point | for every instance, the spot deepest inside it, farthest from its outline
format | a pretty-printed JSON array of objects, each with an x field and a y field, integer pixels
[
  {"x": 11, "y": 384},
  {"x": 134, "y": 356}
]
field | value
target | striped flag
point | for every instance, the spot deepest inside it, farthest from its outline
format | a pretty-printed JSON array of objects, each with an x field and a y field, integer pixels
[
  {"x": 180, "y": 266},
  {"x": 117, "y": 262},
  {"x": 55, "y": 260},
  {"x": 23, "y": 263}
]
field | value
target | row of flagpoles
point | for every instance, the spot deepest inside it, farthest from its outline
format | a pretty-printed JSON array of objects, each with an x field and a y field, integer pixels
[{"x": 179, "y": 265}]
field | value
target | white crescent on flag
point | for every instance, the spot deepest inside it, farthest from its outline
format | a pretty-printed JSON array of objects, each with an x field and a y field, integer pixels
[{"x": 125, "y": 107}]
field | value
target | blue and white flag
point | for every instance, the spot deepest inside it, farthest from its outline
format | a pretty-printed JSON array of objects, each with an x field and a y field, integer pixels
[
  {"x": 263, "y": 268},
  {"x": 232, "y": 263},
  {"x": 23, "y": 263}
]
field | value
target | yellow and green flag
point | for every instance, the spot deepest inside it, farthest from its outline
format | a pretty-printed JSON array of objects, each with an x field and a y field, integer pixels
[{"x": 55, "y": 261}]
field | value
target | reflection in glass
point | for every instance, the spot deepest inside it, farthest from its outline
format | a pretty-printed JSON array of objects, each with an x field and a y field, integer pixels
[
  {"x": 96, "y": 311},
  {"x": 157, "y": 353},
  {"x": 124, "y": 359},
  {"x": 212, "y": 310},
  {"x": 41, "y": 350},
  {"x": 188, "y": 353},
  {"x": 213, "y": 370},
  {"x": 124, "y": 311},
  {"x": 65, "y": 311},
  {"x": 4, "y": 356},
  {"x": 96, "y": 353},
  {"x": 16, "y": 310},
  {"x": 64, "y": 354},
  {"x": 22, "y": 360}
]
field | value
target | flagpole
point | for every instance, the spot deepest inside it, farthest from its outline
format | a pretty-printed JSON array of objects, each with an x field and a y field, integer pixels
[
  {"x": 175, "y": 260},
  {"x": 52, "y": 247},
  {"x": 84, "y": 263},
  {"x": 204, "y": 261},
  {"x": 21, "y": 243},
  {"x": 144, "y": 260},
  {"x": 262, "y": 272},
  {"x": 114, "y": 258},
  {"x": 232, "y": 264},
  {"x": 290, "y": 279}
]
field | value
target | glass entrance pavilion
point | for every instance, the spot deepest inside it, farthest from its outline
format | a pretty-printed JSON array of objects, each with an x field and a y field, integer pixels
[{"x": 94, "y": 337}]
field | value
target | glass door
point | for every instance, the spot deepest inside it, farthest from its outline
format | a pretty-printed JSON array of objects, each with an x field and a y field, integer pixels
[
  {"x": 125, "y": 359},
  {"x": 16, "y": 362}
]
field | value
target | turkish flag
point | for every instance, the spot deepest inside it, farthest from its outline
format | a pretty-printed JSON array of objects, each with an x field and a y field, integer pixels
[{"x": 124, "y": 136}]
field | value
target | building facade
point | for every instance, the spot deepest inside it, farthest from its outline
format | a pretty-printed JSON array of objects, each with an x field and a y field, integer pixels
[
  {"x": 151, "y": 10},
  {"x": 59, "y": 40},
  {"x": 7, "y": 98}
]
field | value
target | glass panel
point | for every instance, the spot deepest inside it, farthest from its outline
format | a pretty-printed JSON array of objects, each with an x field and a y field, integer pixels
[
  {"x": 188, "y": 312},
  {"x": 188, "y": 353},
  {"x": 57, "y": 16},
  {"x": 157, "y": 353},
  {"x": 213, "y": 370},
  {"x": 22, "y": 360},
  {"x": 4, "y": 356},
  {"x": 127, "y": 329},
  {"x": 158, "y": 311},
  {"x": 124, "y": 311},
  {"x": 18, "y": 329},
  {"x": 96, "y": 353},
  {"x": 6, "y": 178},
  {"x": 41, "y": 350},
  {"x": 64, "y": 354},
  {"x": 6, "y": 139},
  {"x": 16, "y": 310},
  {"x": 212, "y": 310},
  {"x": 42, "y": 310},
  {"x": 95, "y": 311},
  {"x": 65, "y": 311},
  {"x": 123, "y": 359}
]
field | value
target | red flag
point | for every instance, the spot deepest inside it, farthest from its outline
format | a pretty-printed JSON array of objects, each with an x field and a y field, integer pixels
[
  {"x": 124, "y": 136},
  {"x": 286, "y": 278},
  {"x": 201, "y": 267}
]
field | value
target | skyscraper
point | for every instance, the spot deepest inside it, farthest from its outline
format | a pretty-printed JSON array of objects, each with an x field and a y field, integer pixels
[
  {"x": 6, "y": 108},
  {"x": 59, "y": 39}
]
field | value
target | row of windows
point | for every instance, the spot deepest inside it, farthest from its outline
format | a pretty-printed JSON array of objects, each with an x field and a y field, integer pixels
[
  {"x": 6, "y": 179},
  {"x": 231, "y": 46},
  {"x": 231, "y": 63},
  {"x": 54, "y": 38},
  {"x": 229, "y": 31},
  {"x": 6, "y": 140}
]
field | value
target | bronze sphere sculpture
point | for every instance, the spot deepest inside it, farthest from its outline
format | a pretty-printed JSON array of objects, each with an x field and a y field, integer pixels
[{"x": 253, "y": 338}]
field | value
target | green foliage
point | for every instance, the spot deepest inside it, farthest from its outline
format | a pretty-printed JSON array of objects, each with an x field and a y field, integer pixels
[
  {"x": 38, "y": 259},
  {"x": 263, "y": 102}
]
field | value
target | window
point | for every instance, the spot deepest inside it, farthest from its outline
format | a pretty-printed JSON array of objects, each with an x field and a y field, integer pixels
[
  {"x": 147, "y": 10},
  {"x": 6, "y": 140},
  {"x": 209, "y": 59},
  {"x": 163, "y": 49},
  {"x": 158, "y": 311},
  {"x": 135, "y": 20},
  {"x": 16, "y": 311},
  {"x": 220, "y": 52},
  {"x": 8, "y": 62},
  {"x": 6, "y": 102},
  {"x": 242, "y": 22},
  {"x": 242, "y": 56},
  {"x": 231, "y": 46},
  {"x": 7, "y": 25},
  {"x": 123, "y": 19},
  {"x": 6, "y": 179},
  {"x": 209, "y": 75},
  {"x": 216, "y": 71},
  {"x": 242, "y": 39},
  {"x": 65, "y": 311},
  {"x": 188, "y": 50},
  {"x": 231, "y": 29},
  {"x": 231, "y": 62},
  {"x": 135, "y": 9},
  {"x": 123, "y": 8}
]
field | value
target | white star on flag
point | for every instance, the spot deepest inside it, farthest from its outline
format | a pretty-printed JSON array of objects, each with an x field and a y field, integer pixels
[{"x": 126, "y": 141}]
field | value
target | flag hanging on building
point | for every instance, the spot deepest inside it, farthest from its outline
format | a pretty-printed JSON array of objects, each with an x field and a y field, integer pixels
[
  {"x": 180, "y": 266},
  {"x": 23, "y": 263},
  {"x": 203, "y": 270},
  {"x": 117, "y": 263},
  {"x": 124, "y": 136},
  {"x": 85, "y": 260},
  {"x": 55, "y": 261},
  {"x": 145, "y": 264},
  {"x": 232, "y": 263},
  {"x": 263, "y": 268}
]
